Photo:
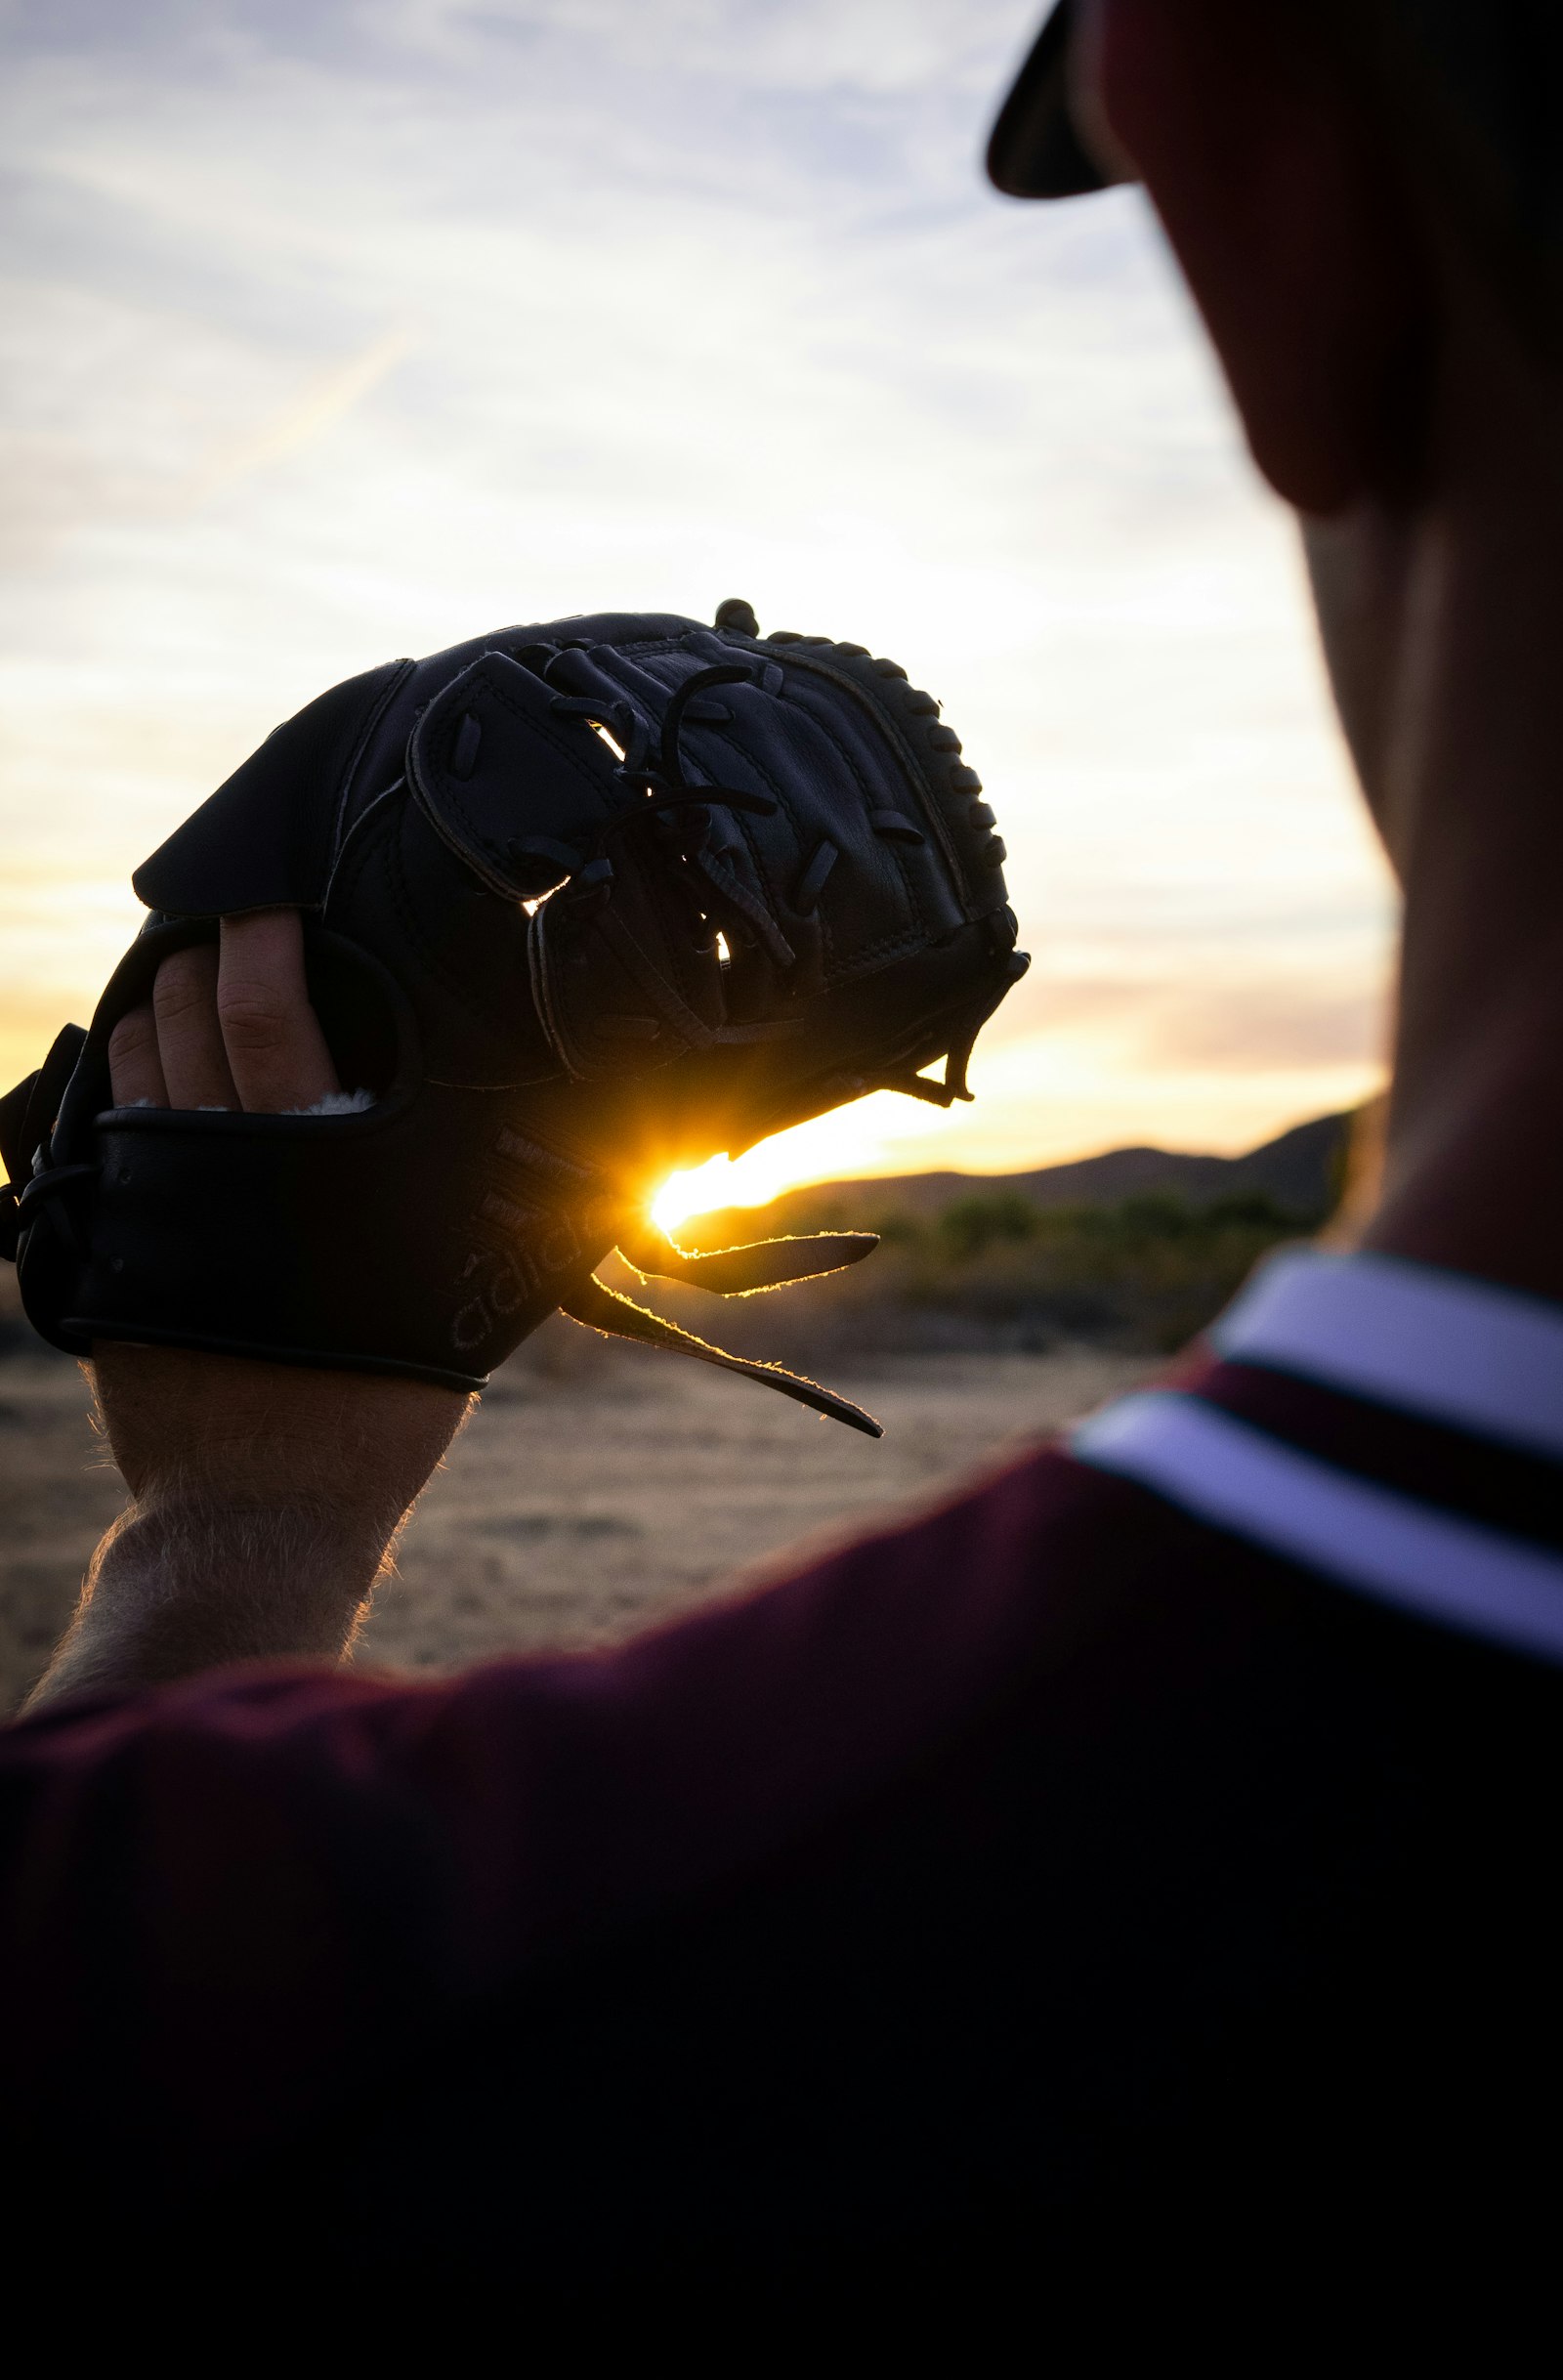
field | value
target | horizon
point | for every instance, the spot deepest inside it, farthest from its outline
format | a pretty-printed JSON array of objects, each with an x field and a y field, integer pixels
[
  {"x": 685, "y": 1195},
  {"x": 333, "y": 338}
]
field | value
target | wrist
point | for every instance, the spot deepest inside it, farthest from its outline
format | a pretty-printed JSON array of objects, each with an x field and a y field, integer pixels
[
  {"x": 264, "y": 1498},
  {"x": 187, "y": 1581},
  {"x": 184, "y": 1424}
]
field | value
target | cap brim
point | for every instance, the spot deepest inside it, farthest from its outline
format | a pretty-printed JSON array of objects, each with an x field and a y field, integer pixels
[{"x": 1034, "y": 150}]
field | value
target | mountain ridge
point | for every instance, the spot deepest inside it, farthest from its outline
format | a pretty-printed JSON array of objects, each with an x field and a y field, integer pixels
[{"x": 1300, "y": 1170}]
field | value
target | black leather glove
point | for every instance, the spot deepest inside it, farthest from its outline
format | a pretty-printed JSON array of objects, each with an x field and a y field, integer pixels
[{"x": 588, "y": 900}]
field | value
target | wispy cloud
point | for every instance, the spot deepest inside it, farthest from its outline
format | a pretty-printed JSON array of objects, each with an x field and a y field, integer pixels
[{"x": 322, "y": 402}]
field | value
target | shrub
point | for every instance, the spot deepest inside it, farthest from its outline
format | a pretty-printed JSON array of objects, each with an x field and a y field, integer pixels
[{"x": 973, "y": 1225}]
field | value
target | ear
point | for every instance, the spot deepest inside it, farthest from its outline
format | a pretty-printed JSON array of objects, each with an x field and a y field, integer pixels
[{"x": 1248, "y": 132}]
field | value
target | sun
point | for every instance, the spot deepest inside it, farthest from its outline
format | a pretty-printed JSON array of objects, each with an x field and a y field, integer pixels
[
  {"x": 750, "y": 1180},
  {"x": 850, "y": 1142}
]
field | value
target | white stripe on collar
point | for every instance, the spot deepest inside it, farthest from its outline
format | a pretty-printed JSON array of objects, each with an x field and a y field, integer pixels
[
  {"x": 1444, "y": 1345},
  {"x": 1223, "y": 1470}
]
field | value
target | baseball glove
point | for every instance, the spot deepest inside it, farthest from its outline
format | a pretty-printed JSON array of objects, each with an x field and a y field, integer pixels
[{"x": 585, "y": 902}]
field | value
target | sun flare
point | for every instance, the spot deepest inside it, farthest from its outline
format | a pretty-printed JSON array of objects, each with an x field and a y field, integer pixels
[
  {"x": 806, "y": 1154},
  {"x": 873, "y": 1135}
]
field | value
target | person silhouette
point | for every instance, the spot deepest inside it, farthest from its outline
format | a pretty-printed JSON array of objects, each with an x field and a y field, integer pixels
[{"x": 1126, "y": 1887}]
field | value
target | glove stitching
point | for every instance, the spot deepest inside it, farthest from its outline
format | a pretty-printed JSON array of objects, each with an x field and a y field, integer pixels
[
  {"x": 918, "y": 935},
  {"x": 902, "y": 946},
  {"x": 452, "y": 801},
  {"x": 913, "y": 937},
  {"x": 775, "y": 895},
  {"x": 775, "y": 900},
  {"x": 951, "y": 837},
  {"x": 672, "y": 943},
  {"x": 901, "y": 859},
  {"x": 360, "y": 753}
]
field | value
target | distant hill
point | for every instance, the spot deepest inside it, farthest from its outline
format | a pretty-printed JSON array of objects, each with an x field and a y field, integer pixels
[
  {"x": 1137, "y": 1248},
  {"x": 1301, "y": 1171}
]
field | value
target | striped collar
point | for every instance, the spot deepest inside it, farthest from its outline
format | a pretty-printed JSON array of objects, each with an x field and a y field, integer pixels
[{"x": 1394, "y": 1426}]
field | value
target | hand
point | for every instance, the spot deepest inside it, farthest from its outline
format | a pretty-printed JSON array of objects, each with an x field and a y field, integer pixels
[
  {"x": 230, "y": 1026},
  {"x": 263, "y": 1496}
]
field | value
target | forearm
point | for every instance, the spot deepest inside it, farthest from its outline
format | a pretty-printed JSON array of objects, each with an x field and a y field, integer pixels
[{"x": 263, "y": 1501}]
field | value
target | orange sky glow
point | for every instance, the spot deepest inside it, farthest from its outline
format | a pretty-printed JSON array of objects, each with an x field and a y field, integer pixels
[{"x": 329, "y": 343}]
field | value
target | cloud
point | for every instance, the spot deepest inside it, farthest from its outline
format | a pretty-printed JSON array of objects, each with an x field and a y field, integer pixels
[
  {"x": 329, "y": 397},
  {"x": 1241, "y": 1025},
  {"x": 332, "y": 331}
]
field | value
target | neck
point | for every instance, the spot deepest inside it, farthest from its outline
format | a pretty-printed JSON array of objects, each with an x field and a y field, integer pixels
[{"x": 1459, "y": 738}]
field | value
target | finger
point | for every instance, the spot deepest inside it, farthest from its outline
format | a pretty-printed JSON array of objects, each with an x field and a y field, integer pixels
[
  {"x": 134, "y": 1069},
  {"x": 276, "y": 1052},
  {"x": 189, "y": 1040}
]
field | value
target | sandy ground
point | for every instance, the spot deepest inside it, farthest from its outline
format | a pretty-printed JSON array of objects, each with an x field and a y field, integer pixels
[{"x": 589, "y": 1493}]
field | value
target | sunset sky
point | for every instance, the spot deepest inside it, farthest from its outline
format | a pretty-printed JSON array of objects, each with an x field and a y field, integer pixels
[{"x": 338, "y": 331}]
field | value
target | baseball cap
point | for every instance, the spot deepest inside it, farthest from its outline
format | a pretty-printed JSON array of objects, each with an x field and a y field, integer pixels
[
  {"x": 1492, "y": 70},
  {"x": 1034, "y": 150}
]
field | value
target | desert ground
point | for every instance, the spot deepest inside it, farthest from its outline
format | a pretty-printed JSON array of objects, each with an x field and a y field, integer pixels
[{"x": 596, "y": 1488}]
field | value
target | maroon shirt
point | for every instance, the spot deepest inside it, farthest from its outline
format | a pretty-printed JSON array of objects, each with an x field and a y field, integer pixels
[{"x": 1053, "y": 1872}]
